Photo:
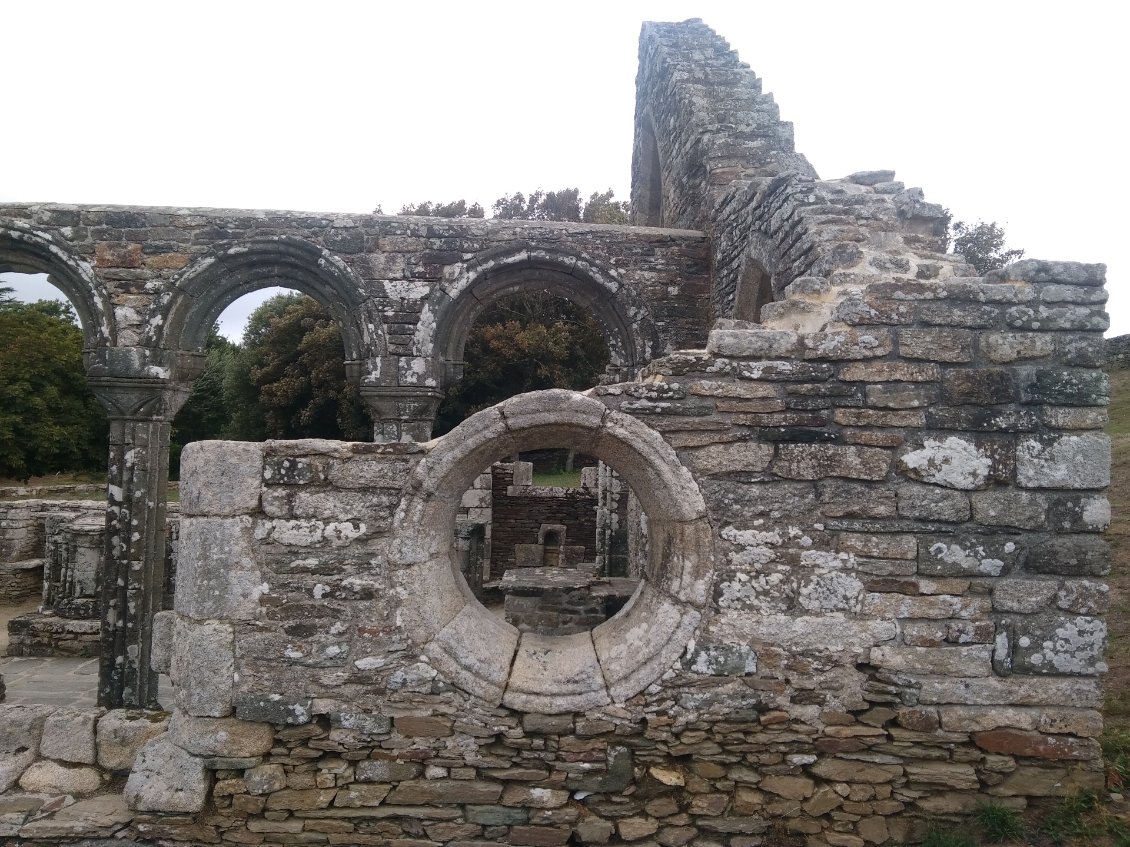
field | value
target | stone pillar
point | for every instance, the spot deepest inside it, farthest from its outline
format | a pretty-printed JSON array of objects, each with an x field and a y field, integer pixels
[
  {"x": 133, "y": 576},
  {"x": 401, "y": 413}
]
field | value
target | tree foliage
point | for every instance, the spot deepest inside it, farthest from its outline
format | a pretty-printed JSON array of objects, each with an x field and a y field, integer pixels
[
  {"x": 525, "y": 342},
  {"x": 563, "y": 205},
  {"x": 982, "y": 245},
  {"x": 455, "y": 209},
  {"x": 50, "y": 421}
]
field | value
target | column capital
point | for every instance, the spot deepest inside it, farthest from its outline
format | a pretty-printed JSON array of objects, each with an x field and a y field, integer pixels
[
  {"x": 402, "y": 412},
  {"x": 139, "y": 399}
]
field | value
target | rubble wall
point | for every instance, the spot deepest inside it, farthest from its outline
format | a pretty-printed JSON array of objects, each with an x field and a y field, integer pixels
[{"x": 874, "y": 597}]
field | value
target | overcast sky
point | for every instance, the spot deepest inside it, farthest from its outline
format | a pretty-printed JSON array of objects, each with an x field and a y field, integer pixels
[{"x": 1011, "y": 112}]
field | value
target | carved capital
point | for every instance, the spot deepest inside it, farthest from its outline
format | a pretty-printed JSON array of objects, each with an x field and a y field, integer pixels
[{"x": 139, "y": 399}]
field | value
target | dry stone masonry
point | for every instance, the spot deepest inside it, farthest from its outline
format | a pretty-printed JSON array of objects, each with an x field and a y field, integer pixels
[{"x": 869, "y": 487}]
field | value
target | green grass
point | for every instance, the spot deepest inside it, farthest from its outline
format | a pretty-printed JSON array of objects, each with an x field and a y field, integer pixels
[
  {"x": 998, "y": 823},
  {"x": 954, "y": 838},
  {"x": 1119, "y": 408},
  {"x": 559, "y": 479}
]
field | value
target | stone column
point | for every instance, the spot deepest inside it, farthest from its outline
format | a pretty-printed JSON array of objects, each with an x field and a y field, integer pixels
[
  {"x": 133, "y": 563},
  {"x": 401, "y": 413}
]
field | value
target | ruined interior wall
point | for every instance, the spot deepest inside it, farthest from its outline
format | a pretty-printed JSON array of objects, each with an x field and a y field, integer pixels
[
  {"x": 905, "y": 614},
  {"x": 519, "y": 512},
  {"x": 140, "y": 254}
]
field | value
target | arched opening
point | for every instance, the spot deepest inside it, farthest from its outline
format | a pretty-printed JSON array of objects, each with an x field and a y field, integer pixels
[
  {"x": 592, "y": 295},
  {"x": 525, "y": 341},
  {"x": 206, "y": 288},
  {"x": 647, "y": 184},
  {"x": 53, "y": 437},
  {"x": 273, "y": 367},
  {"x": 754, "y": 290},
  {"x": 490, "y": 658}
]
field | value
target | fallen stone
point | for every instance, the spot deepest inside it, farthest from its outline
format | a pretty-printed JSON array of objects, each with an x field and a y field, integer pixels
[
  {"x": 45, "y": 777},
  {"x": 122, "y": 733}
]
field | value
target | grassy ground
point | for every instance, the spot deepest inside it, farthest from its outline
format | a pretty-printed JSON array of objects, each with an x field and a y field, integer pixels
[{"x": 559, "y": 479}]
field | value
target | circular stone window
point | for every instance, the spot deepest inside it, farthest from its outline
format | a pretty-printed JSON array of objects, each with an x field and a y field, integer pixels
[{"x": 488, "y": 657}]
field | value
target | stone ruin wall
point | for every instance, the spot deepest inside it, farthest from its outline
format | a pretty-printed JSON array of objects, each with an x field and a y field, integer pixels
[
  {"x": 873, "y": 590},
  {"x": 886, "y": 605}
]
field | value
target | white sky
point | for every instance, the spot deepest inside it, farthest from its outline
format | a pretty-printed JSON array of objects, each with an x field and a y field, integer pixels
[{"x": 1006, "y": 111}]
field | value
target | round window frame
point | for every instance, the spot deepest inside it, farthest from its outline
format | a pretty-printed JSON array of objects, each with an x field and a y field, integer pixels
[{"x": 487, "y": 657}]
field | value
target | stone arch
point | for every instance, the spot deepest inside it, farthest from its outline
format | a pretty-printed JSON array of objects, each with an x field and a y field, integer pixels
[
  {"x": 758, "y": 281},
  {"x": 213, "y": 282},
  {"x": 451, "y": 310},
  {"x": 24, "y": 249},
  {"x": 487, "y": 657}
]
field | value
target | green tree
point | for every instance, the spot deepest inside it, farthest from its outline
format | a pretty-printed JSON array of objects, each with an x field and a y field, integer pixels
[
  {"x": 982, "y": 245},
  {"x": 455, "y": 209},
  {"x": 206, "y": 415},
  {"x": 602, "y": 209},
  {"x": 525, "y": 342},
  {"x": 50, "y": 421},
  {"x": 294, "y": 359}
]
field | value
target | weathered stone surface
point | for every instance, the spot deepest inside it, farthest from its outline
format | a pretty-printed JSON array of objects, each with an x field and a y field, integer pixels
[
  {"x": 1064, "y": 461},
  {"x": 1070, "y": 555},
  {"x": 789, "y": 787},
  {"x": 87, "y": 818},
  {"x": 945, "y": 661},
  {"x": 202, "y": 668},
  {"x": 848, "y": 344},
  {"x": 818, "y": 461},
  {"x": 416, "y": 791},
  {"x": 122, "y": 733},
  {"x": 165, "y": 778},
  {"x": 951, "y": 462},
  {"x": 1059, "y": 645},
  {"x": 203, "y": 736},
  {"x": 1023, "y": 595},
  {"x": 217, "y": 576},
  {"x": 385, "y": 770},
  {"x": 12, "y": 767},
  {"x": 755, "y": 343},
  {"x": 21, "y": 727},
  {"x": 68, "y": 736},
  {"x": 937, "y": 345},
  {"x": 968, "y": 555},
  {"x": 931, "y": 502},
  {"x": 728, "y": 458},
  {"x": 1015, "y": 742},
  {"x": 46, "y": 777},
  {"x": 221, "y": 477}
]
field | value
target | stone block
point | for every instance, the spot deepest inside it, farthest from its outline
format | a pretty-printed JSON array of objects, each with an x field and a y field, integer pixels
[
  {"x": 217, "y": 576},
  {"x": 220, "y": 478},
  {"x": 978, "y": 386},
  {"x": 1070, "y": 555},
  {"x": 85, "y": 820},
  {"x": 1079, "y": 513},
  {"x": 1063, "y": 461},
  {"x": 962, "y": 554},
  {"x": 1062, "y": 387},
  {"x": 21, "y": 727},
  {"x": 122, "y": 733},
  {"x": 942, "y": 661},
  {"x": 1010, "y": 507},
  {"x": 754, "y": 343},
  {"x": 46, "y": 777},
  {"x": 936, "y": 345},
  {"x": 1056, "y": 644},
  {"x": 273, "y": 708},
  {"x": 890, "y": 372},
  {"x": 1015, "y": 742},
  {"x": 68, "y": 736},
  {"x": 474, "y": 652},
  {"x": 644, "y": 641},
  {"x": 848, "y": 344},
  {"x": 949, "y": 461},
  {"x": 166, "y": 778},
  {"x": 203, "y": 667},
  {"x": 204, "y": 736},
  {"x": 933, "y": 503},
  {"x": 1083, "y": 597},
  {"x": 161, "y": 647},
  {"x": 555, "y": 674},
  {"x": 819, "y": 461},
  {"x": 934, "y": 606},
  {"x": 728, "y": 458},
  {"x": 12, "y": 767},
  {"x": 1006, "y": 347},
  {"x": 1023, "y": 595},
  {"x": 897, "y": 395},
  {"x": 427, "y": 791},
  {"x": 387, "y": 770},
  {"x": 361, "y": 796}
]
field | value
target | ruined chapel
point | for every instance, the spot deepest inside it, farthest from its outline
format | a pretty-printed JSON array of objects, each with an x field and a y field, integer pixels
[{"x": 861, "y": 489}]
